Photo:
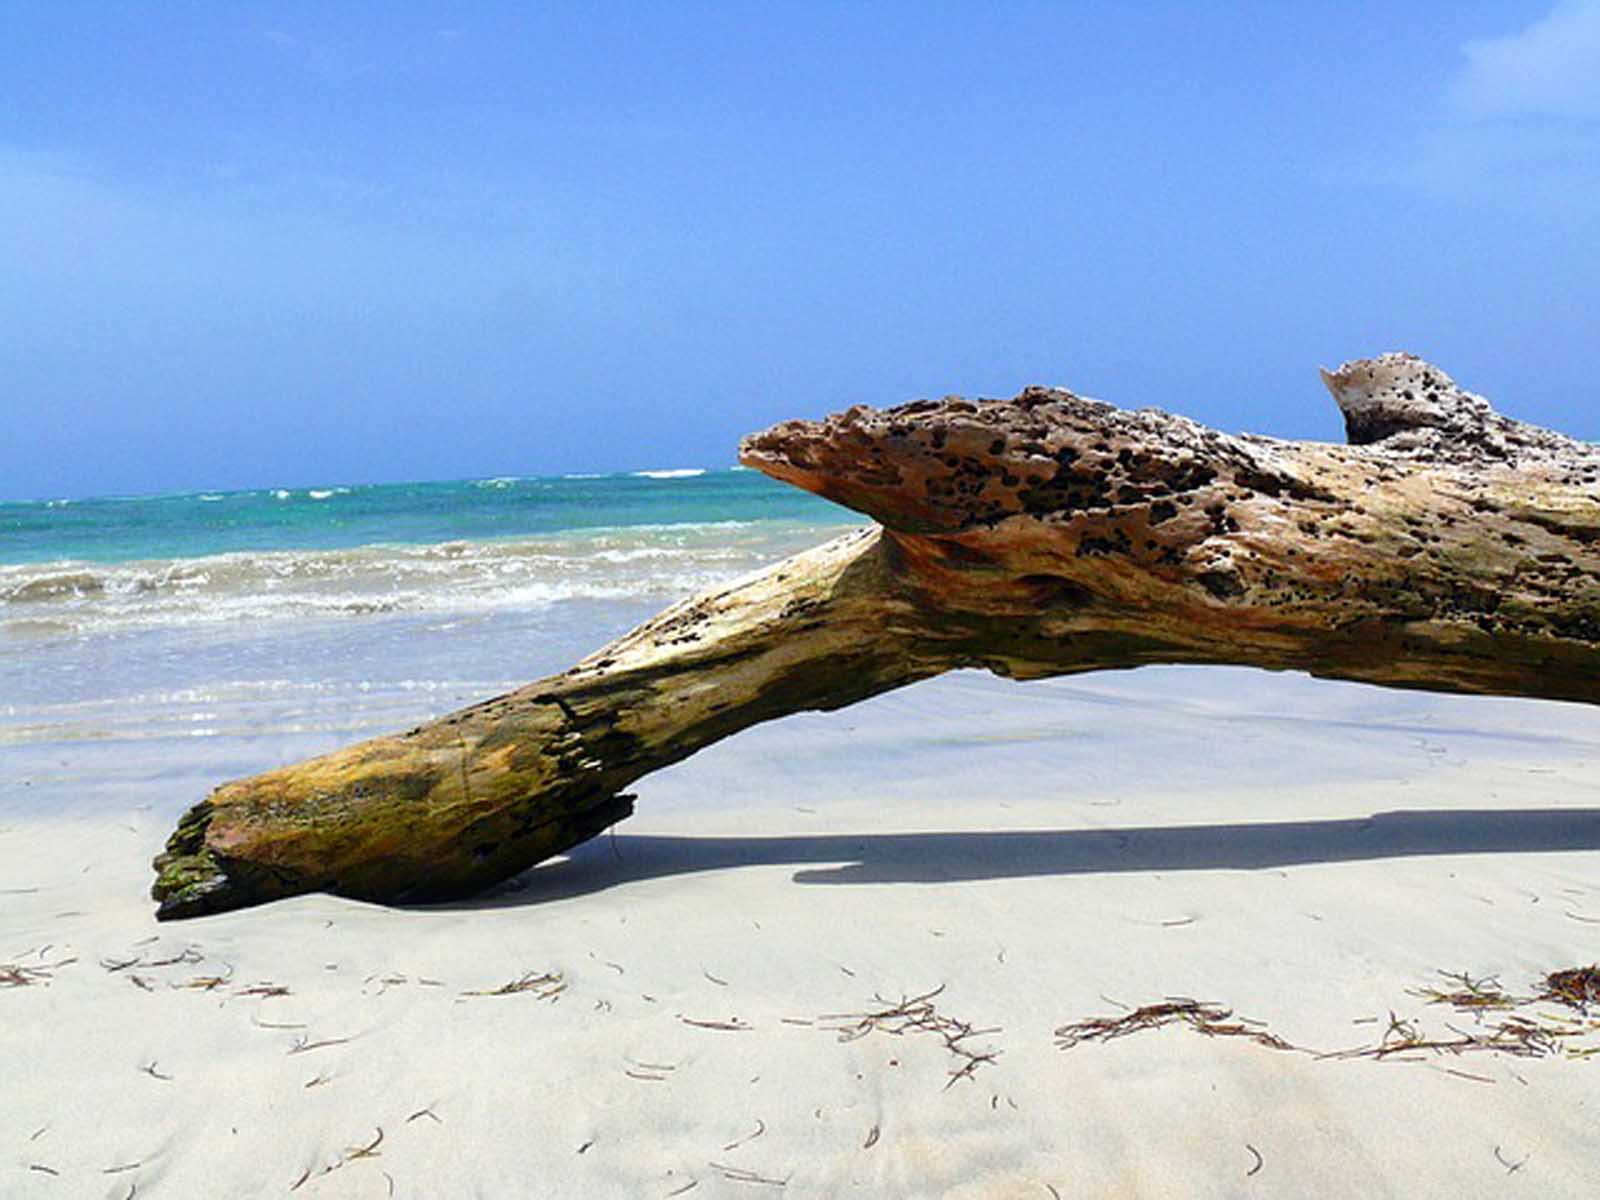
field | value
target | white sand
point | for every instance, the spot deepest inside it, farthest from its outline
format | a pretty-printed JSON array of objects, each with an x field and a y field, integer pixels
[{"x": 1302, "y": 853}]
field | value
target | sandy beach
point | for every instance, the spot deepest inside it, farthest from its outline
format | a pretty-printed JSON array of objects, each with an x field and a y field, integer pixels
[{"x": 833, "y": 956}]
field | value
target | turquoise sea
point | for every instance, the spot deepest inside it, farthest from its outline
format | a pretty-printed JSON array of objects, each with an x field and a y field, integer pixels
[
  {"x": 184, "y": 525},
  {"x": 81, "y": 567},
  {"x": 214, "y": 633}
]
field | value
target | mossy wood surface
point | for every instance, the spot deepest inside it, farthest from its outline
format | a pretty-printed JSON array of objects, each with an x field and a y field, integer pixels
[{"x": 1447, "y": 548}]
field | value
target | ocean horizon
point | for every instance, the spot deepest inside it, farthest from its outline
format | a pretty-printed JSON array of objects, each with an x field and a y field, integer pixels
[{"x": 202, "y": 557}]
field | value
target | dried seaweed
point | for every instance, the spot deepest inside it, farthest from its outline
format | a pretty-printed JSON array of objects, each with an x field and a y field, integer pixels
[
  {"x": 741, "y": 1175},
  {"x": 761, "y": 1127},
  {"x": 731, "y": 1025},
  {"x": 264, "y": 990},
  {"x": 1259, "y": 1163},
  {"x": 1213, "y": 1020},
  {"x": 188, "y": 956},
  {"x": 1470, "y": 994},
  {"x": 650, "y": 1072},
  {"x": 303, "y": 1044},
  {"x": 918, "y": 1014},
  {"x": 207, "y": 983},
  {"x": 544, "y": 986},
  {"x": 17, "y": 974},
  {"x": 1577, "y": 988},
  {"x": 1503, "y": 1022},
  {"x": 351, "y": 1154},
  {"x": 1517, "y": 1036}
]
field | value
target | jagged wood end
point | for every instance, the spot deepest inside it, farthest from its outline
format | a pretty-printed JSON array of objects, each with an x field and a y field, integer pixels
[{"x": 1447, "y": 548}]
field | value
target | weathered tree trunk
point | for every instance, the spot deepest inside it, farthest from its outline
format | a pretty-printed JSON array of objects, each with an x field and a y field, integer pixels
[{"x": 1447, "y": 548}]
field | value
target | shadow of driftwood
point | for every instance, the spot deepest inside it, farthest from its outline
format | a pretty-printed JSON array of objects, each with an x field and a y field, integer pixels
[{"x": 938, "y": 857}]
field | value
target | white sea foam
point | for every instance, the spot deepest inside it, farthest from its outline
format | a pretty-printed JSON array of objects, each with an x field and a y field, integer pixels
[
  {"x": 319, "y": 493},
  {"x": 671, "y": 473},
  {"x": 40, "y": 600}
]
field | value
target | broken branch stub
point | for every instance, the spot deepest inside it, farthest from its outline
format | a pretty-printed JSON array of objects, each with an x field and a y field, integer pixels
[{"x": 1447, "y": 548}]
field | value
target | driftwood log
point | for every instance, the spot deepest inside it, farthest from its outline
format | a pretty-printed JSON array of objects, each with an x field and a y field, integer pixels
[{"x": 1447, "y": 548}]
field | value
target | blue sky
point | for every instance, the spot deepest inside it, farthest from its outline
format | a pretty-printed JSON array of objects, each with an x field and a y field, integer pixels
[{"x": 298, "y": 244}]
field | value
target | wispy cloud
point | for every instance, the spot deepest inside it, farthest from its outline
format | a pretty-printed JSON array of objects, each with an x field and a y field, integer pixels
[
  {"x": 1518, "y": 124},
  {"x": 1549, "y": 69}
]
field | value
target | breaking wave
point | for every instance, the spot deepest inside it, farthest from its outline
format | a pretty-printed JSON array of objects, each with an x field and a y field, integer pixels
[{"x": 63, "y": 598}]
